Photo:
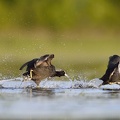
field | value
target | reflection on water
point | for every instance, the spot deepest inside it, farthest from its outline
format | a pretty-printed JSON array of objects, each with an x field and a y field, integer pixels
[{"x": 58, "y": 100}]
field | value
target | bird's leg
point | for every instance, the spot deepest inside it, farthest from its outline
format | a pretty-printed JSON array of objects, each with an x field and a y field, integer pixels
[{"x": 31, "y": 73}]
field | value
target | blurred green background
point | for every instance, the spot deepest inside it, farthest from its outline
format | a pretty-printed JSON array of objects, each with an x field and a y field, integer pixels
[{"x": 81, "y": 33}]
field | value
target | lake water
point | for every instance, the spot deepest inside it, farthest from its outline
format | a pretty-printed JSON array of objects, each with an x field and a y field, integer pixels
[{"x": 62, "y": 100}]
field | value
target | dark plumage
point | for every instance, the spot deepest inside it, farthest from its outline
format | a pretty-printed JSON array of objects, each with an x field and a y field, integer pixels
[
  {"x": 41, "y": 68},
  {"x": 112, "y": 74}
]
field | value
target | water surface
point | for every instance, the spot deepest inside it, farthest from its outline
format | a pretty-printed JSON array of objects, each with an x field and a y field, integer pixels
[{"x": 58, "y": 100}]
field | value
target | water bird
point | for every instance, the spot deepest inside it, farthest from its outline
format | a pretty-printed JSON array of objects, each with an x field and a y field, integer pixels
[
  {"x": 112, "y": 74},
  {"x": 40, "y": 68}
]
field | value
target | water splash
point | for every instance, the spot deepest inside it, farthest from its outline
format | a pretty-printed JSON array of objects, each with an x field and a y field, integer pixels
[{"x": 63, "y": 84}]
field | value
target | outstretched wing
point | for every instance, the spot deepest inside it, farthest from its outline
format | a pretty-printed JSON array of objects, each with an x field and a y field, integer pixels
[
  {"x": 23, "y": 65},
  {"x": 29, "y": 64},
  {"x": 44, "y": 60}
]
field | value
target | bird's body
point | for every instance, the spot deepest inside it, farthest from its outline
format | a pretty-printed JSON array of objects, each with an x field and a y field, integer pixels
[
  {"x": 112, "y": 74},
  {"x": 41, "y": 68}
]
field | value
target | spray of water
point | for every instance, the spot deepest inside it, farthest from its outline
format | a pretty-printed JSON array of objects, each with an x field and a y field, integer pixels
[
  {"x": 24, "y": 79},
  {"x": 21, "y": 83}
]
